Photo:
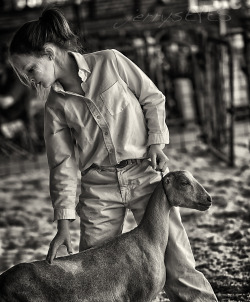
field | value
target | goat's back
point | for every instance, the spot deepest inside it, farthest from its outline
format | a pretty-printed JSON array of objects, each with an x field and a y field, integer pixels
[{"x": 123, "y": 269}]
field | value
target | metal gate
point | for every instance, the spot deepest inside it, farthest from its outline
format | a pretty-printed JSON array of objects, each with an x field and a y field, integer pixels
[{"x": 217, "y": 105}]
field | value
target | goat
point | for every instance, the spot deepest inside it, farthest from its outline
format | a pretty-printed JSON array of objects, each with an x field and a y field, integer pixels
[{"x": 127, "y": 268}]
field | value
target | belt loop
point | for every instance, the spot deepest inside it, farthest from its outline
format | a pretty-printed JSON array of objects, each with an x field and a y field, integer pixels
[
  {"x": 138, "y": 161},
  {"x": 87, "y": 170}
]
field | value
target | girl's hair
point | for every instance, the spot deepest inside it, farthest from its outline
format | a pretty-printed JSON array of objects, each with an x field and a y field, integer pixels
[
  {"x": 30, "y": 38},
  {"x": 52, "y": 27}
]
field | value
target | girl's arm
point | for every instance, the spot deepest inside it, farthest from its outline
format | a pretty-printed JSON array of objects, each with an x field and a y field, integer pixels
[
  {"x": 152, "y": 101},
  {"x": 62, "y": 164},
  {"x": 63, "y": 176}
]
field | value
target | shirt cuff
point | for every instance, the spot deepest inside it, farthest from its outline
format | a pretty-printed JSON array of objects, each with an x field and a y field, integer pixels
[
  {"x": 64, "y": 214},
  {"x": 158, "y": 138}
]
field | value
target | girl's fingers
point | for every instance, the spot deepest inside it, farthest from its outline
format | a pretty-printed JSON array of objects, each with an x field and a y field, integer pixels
[
  {"x": 48, "y": 258},
  {"x": 159, "y": 160},
  {"x": 153, "y": 160},
  {"x": 165, "y": 166},
  {"x": 69, "y": 247},
  {"x": 52, "y": 252},
  {"x": 163, "y": 162}
]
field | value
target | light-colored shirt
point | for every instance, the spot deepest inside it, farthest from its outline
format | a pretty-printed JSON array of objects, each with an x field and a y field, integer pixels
[{"x": 121, "y": 113}]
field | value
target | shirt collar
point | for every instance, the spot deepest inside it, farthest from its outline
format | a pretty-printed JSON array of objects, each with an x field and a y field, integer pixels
[
  {"x": 83, "y": 71},
  {"x": 80, "y": 60}
]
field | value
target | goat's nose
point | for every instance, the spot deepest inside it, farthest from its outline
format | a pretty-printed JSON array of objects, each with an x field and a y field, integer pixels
[{"x": 209, "y": 199}]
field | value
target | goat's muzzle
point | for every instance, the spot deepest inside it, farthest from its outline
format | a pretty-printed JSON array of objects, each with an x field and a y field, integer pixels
[{"x": 206, "y": 204}]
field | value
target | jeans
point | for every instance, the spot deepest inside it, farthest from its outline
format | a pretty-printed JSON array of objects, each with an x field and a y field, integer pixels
[{"x": 107, "y": 192}]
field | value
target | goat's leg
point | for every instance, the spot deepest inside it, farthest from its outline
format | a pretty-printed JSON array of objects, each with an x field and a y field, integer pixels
[{"x": 183, "y": 282}]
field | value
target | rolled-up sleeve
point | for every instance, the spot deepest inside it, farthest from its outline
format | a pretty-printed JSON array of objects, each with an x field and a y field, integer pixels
[
  {"x": 62, "y": 164},
  {"x": 150, "y": 97}
]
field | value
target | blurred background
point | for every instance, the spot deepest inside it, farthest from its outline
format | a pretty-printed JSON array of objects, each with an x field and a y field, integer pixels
[{"x": 197, "y": 52}]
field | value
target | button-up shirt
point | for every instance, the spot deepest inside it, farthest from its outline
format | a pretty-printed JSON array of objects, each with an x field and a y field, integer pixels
[{"x": 120, "y": 114}]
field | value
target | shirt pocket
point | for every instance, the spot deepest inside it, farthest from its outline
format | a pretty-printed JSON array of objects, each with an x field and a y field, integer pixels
[{"x": 115, "y": 98}]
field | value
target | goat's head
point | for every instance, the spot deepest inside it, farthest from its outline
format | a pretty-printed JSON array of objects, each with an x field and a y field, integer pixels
[{"x": 185, "y": 191}]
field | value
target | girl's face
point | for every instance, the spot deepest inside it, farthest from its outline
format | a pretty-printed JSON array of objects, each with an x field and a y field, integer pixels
[{"x": 38, "y": 70}]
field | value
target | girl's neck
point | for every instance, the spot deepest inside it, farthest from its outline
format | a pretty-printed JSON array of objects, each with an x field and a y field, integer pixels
[{"x": 68, "y": 73}]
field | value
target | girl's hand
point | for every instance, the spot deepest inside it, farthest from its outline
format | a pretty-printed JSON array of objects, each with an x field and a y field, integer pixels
[
  {"x": 62, "y": 238},
  {"x": 158, "y": 157}
]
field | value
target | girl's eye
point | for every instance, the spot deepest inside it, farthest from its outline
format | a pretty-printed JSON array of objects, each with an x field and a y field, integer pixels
[{"x": 31, "y": 69}]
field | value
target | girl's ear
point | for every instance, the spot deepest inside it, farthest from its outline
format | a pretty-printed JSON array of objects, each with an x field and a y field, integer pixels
[{"x": 50, "y": 51}]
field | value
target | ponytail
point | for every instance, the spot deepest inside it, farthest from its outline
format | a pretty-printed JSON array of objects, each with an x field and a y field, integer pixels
[{"x": 51, "y": 27}]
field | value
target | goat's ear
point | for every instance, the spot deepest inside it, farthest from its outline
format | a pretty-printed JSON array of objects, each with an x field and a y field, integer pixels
[{"x": 167, "y": 180}]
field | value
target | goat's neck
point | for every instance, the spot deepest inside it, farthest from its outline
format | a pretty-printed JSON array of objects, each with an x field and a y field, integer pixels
[{"x": 155, "y": 222}]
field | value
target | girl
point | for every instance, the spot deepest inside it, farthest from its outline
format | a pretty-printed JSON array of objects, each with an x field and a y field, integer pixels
[{"x": 116, "y": 115}]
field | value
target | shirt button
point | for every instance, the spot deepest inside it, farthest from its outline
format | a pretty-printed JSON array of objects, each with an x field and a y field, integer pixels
[
  {"x": 106, "y": 133},
  {"x": 110, "y": 151},
  {"x": 98, "y": 117}
]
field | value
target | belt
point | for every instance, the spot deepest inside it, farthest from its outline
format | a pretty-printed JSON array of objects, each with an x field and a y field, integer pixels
[
  {"x": 127, "y": 162},
  {"x": 121, "y": 164}
]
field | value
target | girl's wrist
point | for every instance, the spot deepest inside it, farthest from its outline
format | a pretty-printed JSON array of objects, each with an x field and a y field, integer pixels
[
  {"x": 161, "y": 146},
  {"x": 63, "y": 224}
]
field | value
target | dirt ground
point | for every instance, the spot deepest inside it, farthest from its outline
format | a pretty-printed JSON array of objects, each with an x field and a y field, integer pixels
[{"x": 220, "y": 237}]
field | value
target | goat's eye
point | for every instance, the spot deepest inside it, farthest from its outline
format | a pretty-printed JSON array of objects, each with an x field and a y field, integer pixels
[{"x": 185, "y": 183}]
